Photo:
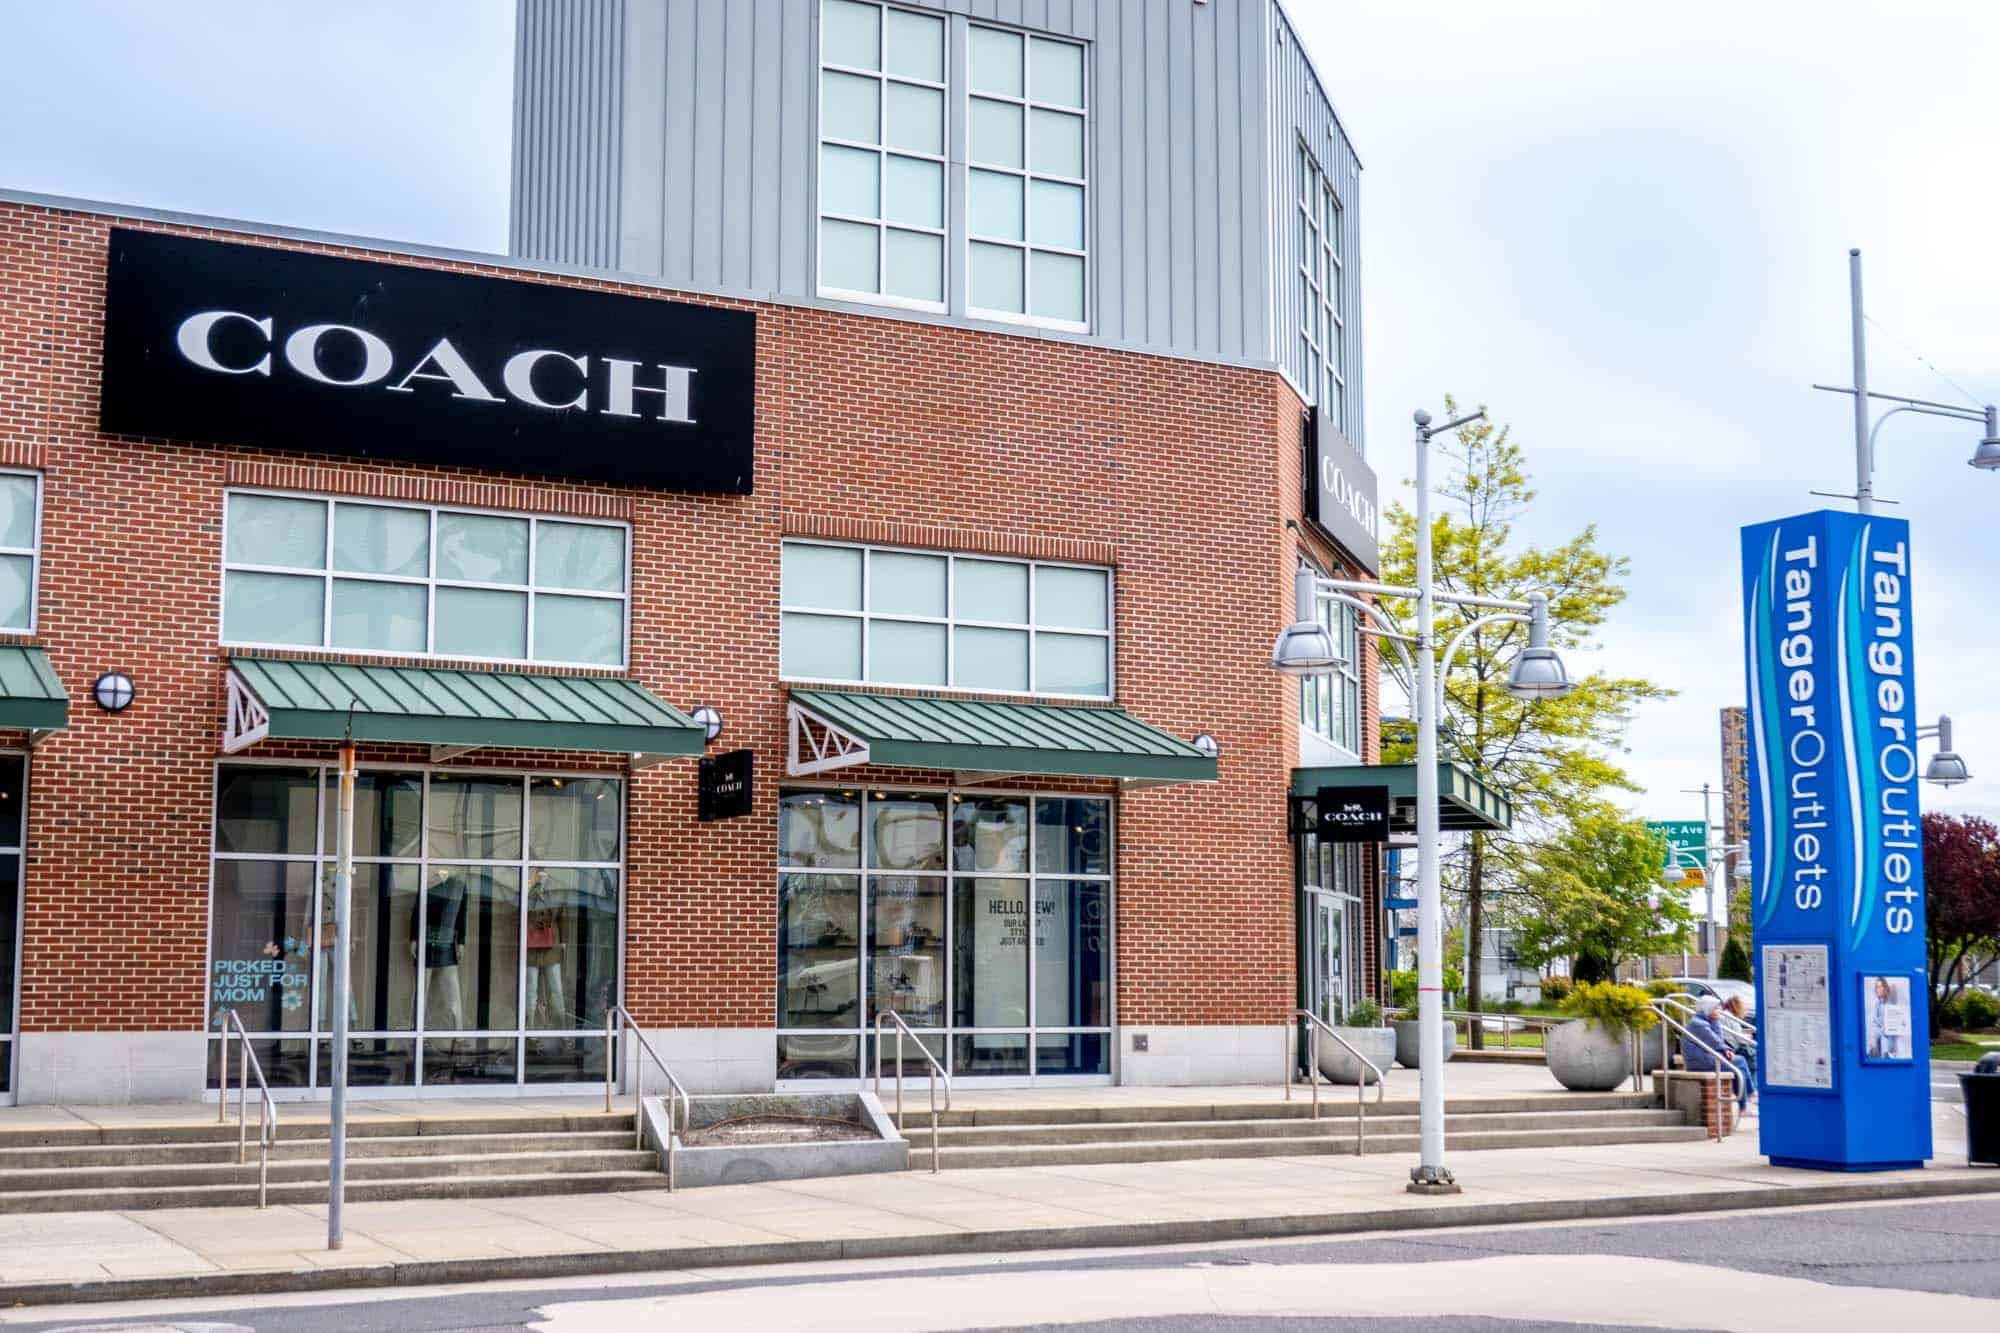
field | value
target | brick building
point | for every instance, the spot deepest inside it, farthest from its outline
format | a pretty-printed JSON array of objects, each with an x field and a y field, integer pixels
[{"x": 762, "y": 658}]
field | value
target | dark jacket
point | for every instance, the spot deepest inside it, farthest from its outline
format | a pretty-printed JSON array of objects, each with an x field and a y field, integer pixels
[{"x": 1700, "y": 1059}]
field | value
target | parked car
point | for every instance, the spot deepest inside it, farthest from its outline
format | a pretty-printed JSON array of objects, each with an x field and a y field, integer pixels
[{"x": 1722, "y": 989}]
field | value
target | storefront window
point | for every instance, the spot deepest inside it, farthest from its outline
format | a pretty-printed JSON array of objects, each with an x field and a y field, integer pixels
[
  {"x": 986, "y": 927},
  {"x": 20, "y": 550},
  {"x": 1330, "y": 703},
  {"x": 13, "y": 794},
  {"x": 485, "y": 926}
]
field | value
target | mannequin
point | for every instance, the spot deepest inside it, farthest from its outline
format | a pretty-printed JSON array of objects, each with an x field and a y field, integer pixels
[
  {"x": 545, "y": 955},
  {"x": 442, "y": 933}
]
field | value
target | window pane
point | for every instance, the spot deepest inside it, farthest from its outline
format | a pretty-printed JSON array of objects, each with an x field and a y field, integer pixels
[
  {"x": 902, "y": 653},
  {"x": 383, "y": 966},
  {"x": 994, "y": 61},
  {"x": 850, "y": 107},
  {"x": 586, "y": 556},
  {"x": 820, "y": 647},
  {"x": 993, "y": 133},
  {"x": 819, "y": 951},
  {"x": 916, "y": 46},
  {"x": 1058, "y": 287},
  {"x": 993, "y": 205},
  {"x": 903, "y": 584},
  {"x": 993, "y": 278},
  {"x": 572, "y": 948},
  {"x": 916, "y": 192},
  {"x": 1072, "y": 1053},
  {"x": 388, "y": 815},
  {"x": 386, "y": 617},
  {"x": 1072, "y": 958},
  {"x": 990, "y": 953},
  {"x": 482, "y": 548},
  {"x": 992, "y": 590},
  {"x": 826, "y": 578},
  {"x": 272, "y": 608},
  {"x": 916, "y": 265},
  {"x": 818, "y": 1056},
  {"x": 916, "y": 119},
  {"x": 475, "y": 819},
  {"x": 1071, "y": 598},
  {"x": 266, "y": 810},
  {"x": 849, "y": 181},
  {"x": 481, "y": 622},
  {"x": 260, "y": 945},
  {"x": 471, "y": 948},
  {"x": 850, "y": 34},
  {"x": 10, "y": 907},
  {"x": 13, "y": 789},
  {"x": 1056, "y": 214},
  {"x": 573, "y": 819},
  {"x": 905, "y": 831},
  {"x": 849, "y": 256},
  {"x": 579, "y": 629},
  {"x": 17, "y": 510},
  {"x": 17, "y": 591},
  {"x": 906, "y": 944},
  {"x": 990, "y": 833},
  {"x": 1072, "y": 836},
  {"x": 1056, "y": 69},
  {"x": 377, "y": 539},
  {"x": 470, "y": 1061},
  {"x": 1072, "y": 664},
  {"x": 273, "y": 530},
  {"x": 991, "y": 659},
  {"x": 1057, "y": 143},
  {"x": 819, "y": 828}
]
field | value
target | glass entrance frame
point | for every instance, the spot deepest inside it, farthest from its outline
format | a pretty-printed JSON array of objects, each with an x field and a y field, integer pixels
[
  {"x": 1333, "y": 959},
  {"x": 13, "y": 841},
  {"x": 488, "y": 919},
  {"x": 917, "y": 900}
]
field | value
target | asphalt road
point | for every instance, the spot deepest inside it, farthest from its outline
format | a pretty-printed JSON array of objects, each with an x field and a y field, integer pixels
[{"x": 1878, "y": 1267}]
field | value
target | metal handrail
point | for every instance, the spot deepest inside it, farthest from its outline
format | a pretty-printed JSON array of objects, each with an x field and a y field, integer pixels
[
  {"x": 937, "y": 1074},
  {"x": 1312, "y": 1076},
  {"x": 1506, "y": 1020},
  {"x": 615, "y": 1021},
  {"x": 1723, "y": 1063},
  {"x": 267, "y": 1112},
  {"x": 1731, "y": 1024}
]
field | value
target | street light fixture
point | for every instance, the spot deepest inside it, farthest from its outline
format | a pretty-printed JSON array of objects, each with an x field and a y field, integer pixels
[
  {"x": 1307, "y": 647},
  {"x": 1946, "y": 767}
]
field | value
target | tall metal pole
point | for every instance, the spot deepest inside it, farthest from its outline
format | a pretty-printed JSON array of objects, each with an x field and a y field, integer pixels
[
  {"x": 1711, "y": 856},
  {"x": 1429, "y": 1175},
  {"x": 343, "y": 989},
  {"x": 1864, "y": 461}
]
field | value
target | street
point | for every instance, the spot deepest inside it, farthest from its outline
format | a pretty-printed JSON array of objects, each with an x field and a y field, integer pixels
[{"x": 1927, "y": 1264}]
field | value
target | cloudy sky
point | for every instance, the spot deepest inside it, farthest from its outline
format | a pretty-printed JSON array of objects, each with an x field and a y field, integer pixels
[{"x": 1622, "y": 227}]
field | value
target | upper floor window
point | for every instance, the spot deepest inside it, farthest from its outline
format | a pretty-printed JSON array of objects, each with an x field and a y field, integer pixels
[
  {"x": 881, "y": 153},
  {"x": 1025, "y": 165},
  {"x": 1322, "y": 289},
  {"x": 891, "y": 617},
  {"x": 20, "y": 549},
  {"x": 410, "y": 580},
  {"x": 1330, "y": 703}
]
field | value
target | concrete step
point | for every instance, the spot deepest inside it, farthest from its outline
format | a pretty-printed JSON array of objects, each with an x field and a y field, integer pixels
[
  {"x": 1335, "y": 1121},
  {"x": 1299, "y": 1108},
  {"x": 94, "y": 1180},
  {"x": 1176, "y": 1150},
  {"x": 312, "y": 1149},
  {"x": 298, "y": 1126},
  {"x": 420, "y": 1187}
]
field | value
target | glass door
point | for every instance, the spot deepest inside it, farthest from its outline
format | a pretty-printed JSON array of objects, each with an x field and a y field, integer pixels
[
  {"x": 13, "y": 796},
  {"x": 1329, "y": 958}
]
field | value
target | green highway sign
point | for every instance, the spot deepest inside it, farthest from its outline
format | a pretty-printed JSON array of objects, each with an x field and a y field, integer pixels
[{"x": 1689, "y": 836}]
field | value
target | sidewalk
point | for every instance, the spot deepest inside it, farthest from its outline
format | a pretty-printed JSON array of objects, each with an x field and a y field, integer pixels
[{"x": 47, "y": 1258}]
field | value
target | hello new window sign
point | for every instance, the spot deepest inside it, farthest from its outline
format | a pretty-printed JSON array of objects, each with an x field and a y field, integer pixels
[{"x": 1836, "y": 844}]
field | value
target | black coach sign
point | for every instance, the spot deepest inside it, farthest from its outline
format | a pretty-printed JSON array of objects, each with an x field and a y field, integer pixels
[
  {"x": 724, "y": 786},
  {"x": 241, "y": 344},
  {"x": 1340, "y": 495},
  {"x": 1353, "y": 814}
]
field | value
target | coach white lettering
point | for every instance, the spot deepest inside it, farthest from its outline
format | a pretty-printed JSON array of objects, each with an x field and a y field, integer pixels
[
  {"x": 1346, "y": 495},
  {"x": 519, "y": 377},
  {"x": 193, "y": 339},
  {"x": 302, "y": 354},
  {"x": 673, "y": 391},
  {"x": 451, "y": 369}
]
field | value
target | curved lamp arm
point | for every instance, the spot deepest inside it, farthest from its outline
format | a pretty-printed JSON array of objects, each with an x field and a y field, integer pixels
[
  {"x": 1392, "y": 630},
  {"x": 1458, "y": 641}
]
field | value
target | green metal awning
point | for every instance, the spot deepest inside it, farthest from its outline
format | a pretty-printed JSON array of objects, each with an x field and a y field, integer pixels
[
  {"x": 834, "y": 729},
  {"x": 450, "y": 710},
  {"x": 1465, "y": 804},
  {"x": 31, "y": 698}
]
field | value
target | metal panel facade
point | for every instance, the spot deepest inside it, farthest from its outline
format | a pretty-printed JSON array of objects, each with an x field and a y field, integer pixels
[{"x": 568, "y": 139}]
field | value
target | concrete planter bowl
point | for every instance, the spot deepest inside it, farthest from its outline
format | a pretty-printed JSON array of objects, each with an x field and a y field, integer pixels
[
  {"x": 1408, "y": 1037},
  {"x": 1588, "y": 1057},
  {"x": 872, "y": 1143},
  {"x": 1337, "y": 1063}
]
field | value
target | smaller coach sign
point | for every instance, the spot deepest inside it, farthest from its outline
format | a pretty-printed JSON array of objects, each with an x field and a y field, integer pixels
[{"x": 254, "y": 345}]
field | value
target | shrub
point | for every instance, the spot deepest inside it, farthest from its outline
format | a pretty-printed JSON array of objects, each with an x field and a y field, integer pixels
[
  {"x": 1556, "y": 989},
  {"x": 1611, "y": 1005},
  {"x": 1951, "y": 1013},
  {"x": 1981, "y": 1010},
  {"x": 1403, "y": 989},
  {"x": 1660, "y": 989},
  {"x": 1364, "y": 1015},
  {"x": 1735, "y": 961}
]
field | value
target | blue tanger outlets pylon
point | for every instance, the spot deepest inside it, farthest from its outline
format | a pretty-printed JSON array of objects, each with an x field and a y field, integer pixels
[{"x": 1836, "y": 845}]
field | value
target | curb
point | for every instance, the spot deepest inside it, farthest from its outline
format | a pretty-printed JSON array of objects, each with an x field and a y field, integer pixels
[{"x": 419, "y": 1273}]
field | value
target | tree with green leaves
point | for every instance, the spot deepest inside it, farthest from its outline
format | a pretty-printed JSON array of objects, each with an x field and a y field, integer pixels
[
  {"x": 1735, "y": 961},
  {"x": 1598, "y": 901},
  {"x": 1551, "y": 758}
]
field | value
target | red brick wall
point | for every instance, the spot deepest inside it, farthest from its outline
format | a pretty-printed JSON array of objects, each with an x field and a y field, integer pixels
[{"x": 1179, "y": 473}]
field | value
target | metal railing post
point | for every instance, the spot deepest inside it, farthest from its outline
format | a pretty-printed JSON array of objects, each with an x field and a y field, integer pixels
[
  {"x": 222, "y": 1081},
  {"x": 243, "y": 1103},
  {"x": 610, "y": 1054}
]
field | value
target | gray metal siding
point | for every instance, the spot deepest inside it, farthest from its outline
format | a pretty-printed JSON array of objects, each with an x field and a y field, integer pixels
[{"x": 568, "y": 135}]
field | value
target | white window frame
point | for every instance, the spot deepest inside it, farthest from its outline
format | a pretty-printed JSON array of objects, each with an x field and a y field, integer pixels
[
  {"x": 33, "y": 552},
  {"x": 429, "y": 580},
  {"x": 1028, "y": 176},
  {"x": 951, "y": 622},
  {"x": 1344, "y": 681},
  {"x": 882, "y": 225},
  {"x": 1320, "y": 254}
]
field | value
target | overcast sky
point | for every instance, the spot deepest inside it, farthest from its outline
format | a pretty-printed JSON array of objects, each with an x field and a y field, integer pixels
[{"x": 1622, "y": 227}]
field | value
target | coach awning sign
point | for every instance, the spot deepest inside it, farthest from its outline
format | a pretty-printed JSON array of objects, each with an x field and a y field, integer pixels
[{"x": 249, "y": 344}]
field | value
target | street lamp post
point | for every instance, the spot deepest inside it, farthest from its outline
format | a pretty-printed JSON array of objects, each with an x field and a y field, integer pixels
[{"x": 1307, "y": 647}]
